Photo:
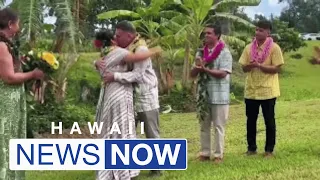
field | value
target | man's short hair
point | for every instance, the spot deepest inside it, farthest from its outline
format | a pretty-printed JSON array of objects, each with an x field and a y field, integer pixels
[
  {"x": 264, "y": 24},
  {"x": 216, "y": 29},
  {"x": 126, "y": 26}
]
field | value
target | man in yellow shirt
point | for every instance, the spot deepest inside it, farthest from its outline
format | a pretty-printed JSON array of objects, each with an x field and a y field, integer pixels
[{"x": 261, "y": 61}]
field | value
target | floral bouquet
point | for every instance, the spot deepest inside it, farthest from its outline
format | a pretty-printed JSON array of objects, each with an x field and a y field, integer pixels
[{"x": 44, "y": 61}]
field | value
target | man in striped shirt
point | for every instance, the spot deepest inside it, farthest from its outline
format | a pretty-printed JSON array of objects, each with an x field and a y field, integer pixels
[{"x": 144, "y": 79}]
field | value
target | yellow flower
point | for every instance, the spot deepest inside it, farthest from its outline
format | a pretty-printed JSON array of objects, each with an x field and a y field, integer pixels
[{"x": 50, "y": 59}]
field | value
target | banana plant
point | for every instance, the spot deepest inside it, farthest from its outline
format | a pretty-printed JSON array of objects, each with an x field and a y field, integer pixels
[
  {"x": 190, "y": 25},
  {"x": 33, "y": 26},
  {"x": 68, "y": 32},
  {"x": 2, "y": 2},
  {"x": 145, "y": 18},
  {"x": 31, "y": 18}
]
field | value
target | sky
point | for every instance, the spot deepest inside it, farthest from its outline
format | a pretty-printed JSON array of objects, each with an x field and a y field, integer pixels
[{"x": 266, "y": 8}]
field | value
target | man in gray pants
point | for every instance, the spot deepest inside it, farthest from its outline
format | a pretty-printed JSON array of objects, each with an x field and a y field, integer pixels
[{"x": 144, "y": 79}]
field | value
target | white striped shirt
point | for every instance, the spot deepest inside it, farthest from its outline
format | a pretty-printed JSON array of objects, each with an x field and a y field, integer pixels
[{"x": 145, "y": 83}]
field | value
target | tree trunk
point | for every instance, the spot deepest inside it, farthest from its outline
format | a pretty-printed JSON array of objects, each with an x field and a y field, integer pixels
[
  {"x": 186, "y": 66},
  {"x": 162, "y": 81},
  {"x": 169, "y": 80},
  {"x": 60, "y": 91},
  {"x": 59, "y": 43}
]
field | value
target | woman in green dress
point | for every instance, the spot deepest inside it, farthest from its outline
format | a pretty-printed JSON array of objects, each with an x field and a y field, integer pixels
[{"x": 12, "y": 95}]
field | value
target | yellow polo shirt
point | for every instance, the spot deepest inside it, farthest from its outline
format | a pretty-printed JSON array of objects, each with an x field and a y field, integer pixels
[{"x": 260, "y": 85}]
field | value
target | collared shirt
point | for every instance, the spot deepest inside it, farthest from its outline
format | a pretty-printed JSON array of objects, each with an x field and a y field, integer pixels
[
  {"x": 219, "y": 88},
  {"x": 145, "y": 83},
  {"x": 260, "y": 85}
]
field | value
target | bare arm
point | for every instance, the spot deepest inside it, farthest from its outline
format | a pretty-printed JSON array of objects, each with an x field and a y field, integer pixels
[
  {"x": 7, "y": 73},
  {"x": 137, "y": 74},
  {"x": 216, "y": 73},
  {"x": 194, "y": 72},
  {"x": 224, "y": 68},
  {"x": 196, "y": 69},
  {"x": 141, "y": 56},
  {"x": 277, "y": 61},
  {"x": 247, "y": 68},
  {"x": 269, "y": 69}
]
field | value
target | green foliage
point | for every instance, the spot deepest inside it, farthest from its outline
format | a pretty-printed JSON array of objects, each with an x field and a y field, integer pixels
[
  {"x": 180, "y": 99},
  {"x": 83, "y": 74},
  {"x": 296, "y": 56},
  {"x": 40, "y": 116},
  {"x": 302, "y": 15},
  {"x": 289, "y": 37},
  {"x": 31, "y": 18},
  {"x": 227, "y": 5},
  {"x": 66, "y": 24},
  {"x": 297, "y": 149}
]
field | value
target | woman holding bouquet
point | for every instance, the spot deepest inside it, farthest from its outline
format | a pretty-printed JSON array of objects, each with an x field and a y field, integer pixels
[{"x": 12, "y": 95}]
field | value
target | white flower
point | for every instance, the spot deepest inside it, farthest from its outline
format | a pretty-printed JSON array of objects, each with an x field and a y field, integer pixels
[{"x": 30, "y": 53}]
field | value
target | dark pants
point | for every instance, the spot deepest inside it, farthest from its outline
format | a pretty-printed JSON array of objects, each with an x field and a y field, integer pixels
[{"x": 252, "y": 112}]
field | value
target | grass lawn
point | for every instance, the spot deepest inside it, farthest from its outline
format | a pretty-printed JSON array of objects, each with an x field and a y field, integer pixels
[
  {"x": 297, "y": 150},
  {"x": 298, "y": 130}
]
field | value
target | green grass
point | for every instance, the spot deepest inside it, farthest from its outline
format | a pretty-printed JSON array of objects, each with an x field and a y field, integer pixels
[
  {"x": 300, "y": 78},
  {"x": 297, "y": 149}
]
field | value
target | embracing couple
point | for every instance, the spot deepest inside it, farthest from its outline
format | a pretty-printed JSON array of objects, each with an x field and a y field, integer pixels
[{"x": 128, "y": 80}]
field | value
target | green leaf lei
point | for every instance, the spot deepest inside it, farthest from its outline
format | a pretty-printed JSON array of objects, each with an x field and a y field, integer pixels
[{"x": 202, "y": 98}]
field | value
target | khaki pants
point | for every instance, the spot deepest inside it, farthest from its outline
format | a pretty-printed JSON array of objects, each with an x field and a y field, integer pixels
[{"x": 218, "y": 115}]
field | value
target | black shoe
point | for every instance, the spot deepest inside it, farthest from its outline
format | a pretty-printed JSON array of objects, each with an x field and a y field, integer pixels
[{"x": 155, "y": 173}]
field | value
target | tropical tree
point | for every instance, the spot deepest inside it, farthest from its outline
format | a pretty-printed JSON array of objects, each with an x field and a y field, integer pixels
[
  {"x": 33, "y": 26},
  {"x": 198, "y": 14},
  {"x": 146, "y": 18},
  {"x": 32, "y": 20},
  {"x": 288, "y": 38}
]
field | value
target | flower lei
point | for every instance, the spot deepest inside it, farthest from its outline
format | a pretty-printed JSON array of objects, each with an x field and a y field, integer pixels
[
  {"x": 107, "y": 50},
  {"x": 202, "y": 101},
  {"x": 260, "y": 58},
  {"x": 133, "y": 47},
  {"x": 215, "y": 54}
]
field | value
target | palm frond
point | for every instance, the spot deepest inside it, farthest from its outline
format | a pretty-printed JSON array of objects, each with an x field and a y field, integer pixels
[
  {"x": 231, "y": 41},
  {"x": 2, "y": 2},
  {"x": 169, "y": 14},
  {"x": 171, "y": 24},
  {"x": 226, "y": 5},
  {"x": 155, "y": 5},
  {"x": 66, "y": 23},
  {"x": 117, "y": 13},
  {"x": 202, "y": 9},
  {"x": 235, "y": 19},
  {"x": 31, "y": 17}
]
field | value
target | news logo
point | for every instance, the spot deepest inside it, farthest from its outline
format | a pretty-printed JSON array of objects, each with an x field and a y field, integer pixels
[{"x": 98, "y": 154}]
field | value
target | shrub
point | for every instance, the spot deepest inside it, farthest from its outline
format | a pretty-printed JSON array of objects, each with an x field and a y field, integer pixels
[
  {"x": 180, "y": 99},
  {"x": 40, "y": 116},
  {"x": 296, "y": 56}
]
